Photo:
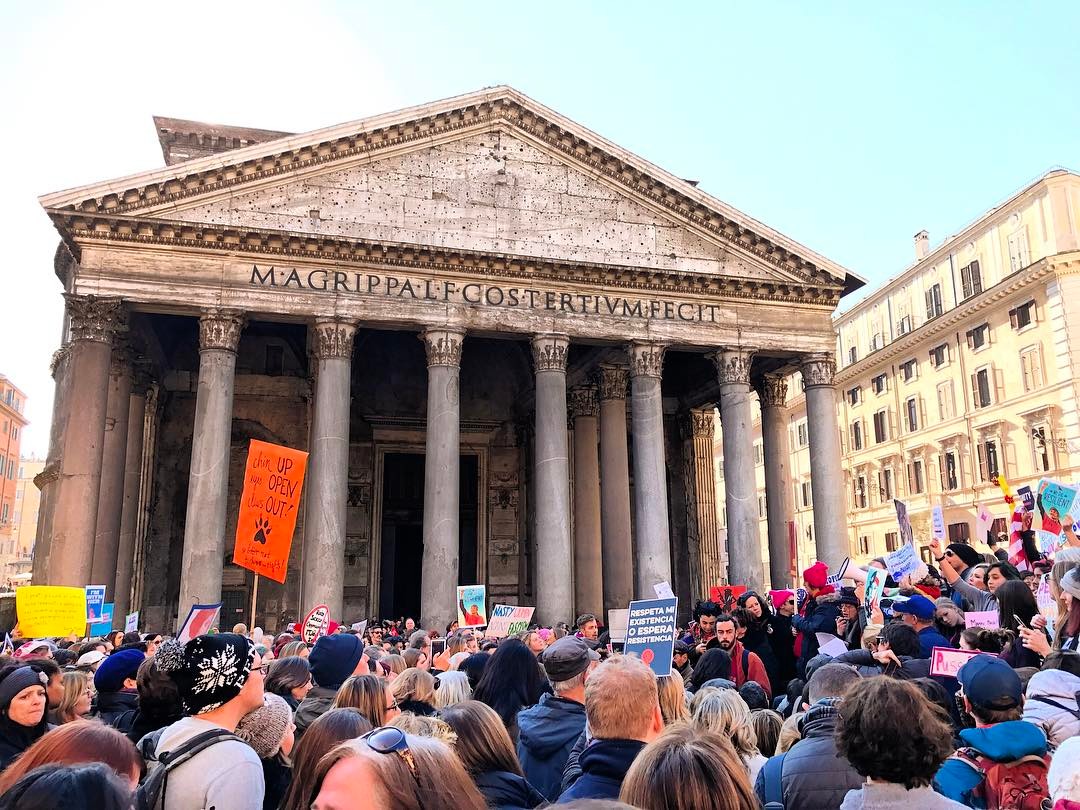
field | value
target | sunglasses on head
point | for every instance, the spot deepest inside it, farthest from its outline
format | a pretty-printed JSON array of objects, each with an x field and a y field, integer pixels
[{"x": 390, "y": 740}]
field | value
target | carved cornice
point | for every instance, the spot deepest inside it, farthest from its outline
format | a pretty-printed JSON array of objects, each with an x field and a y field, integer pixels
[
  {"x": 48, "y": 474},
  {"x": 94, "y": 319},
  {"x": 818, "y": 369},
  {"x": 733, "y": 366},
  {"x": 612, "y": 382},
  {"x": 584, "y": 401},
  {"x": 443, "y": 346},
  {"x": 646, "y": 359},
  {"x": 58, "y": 358},
  {"x": 550, "y": 351},
  {"x": 333, "y": 338},
  {"x": 773, "y": 391},
  {"x": 219, "y": 330}
]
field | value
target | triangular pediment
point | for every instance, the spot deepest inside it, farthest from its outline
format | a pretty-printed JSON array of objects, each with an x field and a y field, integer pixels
[{"x": 493, "y": 171}]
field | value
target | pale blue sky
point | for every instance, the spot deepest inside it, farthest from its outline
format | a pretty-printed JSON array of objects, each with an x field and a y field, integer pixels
[{"x": 847, "y": 126}]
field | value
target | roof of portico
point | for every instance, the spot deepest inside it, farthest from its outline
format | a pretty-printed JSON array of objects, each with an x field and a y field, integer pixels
[{"x": 153, "y": 194}]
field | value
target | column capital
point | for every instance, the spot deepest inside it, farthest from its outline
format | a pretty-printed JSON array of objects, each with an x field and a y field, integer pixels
[
  {"x": 612, "y": 382},
  {"x": 333, "y": 338},
  {"x": 818, "y": 369},
  {"x": 698, "y": 423},
  {"x": 646, "y": 359},
  {"x": 219, "y": 329},
  {"x": 773, "y": 391},
  {"x": 443, "y": 345},
  {"x": 583, "y": 401},
  {"x": 94, "y": 319},
  {"x": 59, "y": 356},
  {"x": 550, "y": 351},
  {"x": 733, "y": 365}
]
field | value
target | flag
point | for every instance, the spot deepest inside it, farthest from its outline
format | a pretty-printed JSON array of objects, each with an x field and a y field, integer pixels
[{"x": 983, "y": 521}]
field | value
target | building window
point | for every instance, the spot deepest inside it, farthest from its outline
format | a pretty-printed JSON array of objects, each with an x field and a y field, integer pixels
[
  {"x": 904, "y": 326},
  {"x": 860, "y": 492},
  {"x": 980, "y": 388},
  {"x": 911, "y": 413},
  {"x": 933, "y": 302},
  {"x": 864, "y": 545},
  {"x": 892, "y": 541},
  {"x": 978, "y": 337},
  {"x": 1022, "y": 316},
  {"x": 988, "y": 460},
  {"x": 880, "y": 384},
  {"x": 948, "y": 470},
  {"x": 761, "y": 506},
  {"x": 1031, "y": 368},
  {"x": 807, "y": 495},
  {"x": 909, "y": 370},
  {"x": 939, "y": 355},
  {"x": 853, "y": 355},
  {"x": 971, "y": 279},
  {"x": 856, "y": 435},
  {"x": 885, "y": 485},
  {"x": 854, "y": 395},
  {"x": 877, "y": 341},
  {"x": 881, "y": 426},
  {"x": 802, "y": 434},
  {"x": 958, "y": 533},
  {"x": 946, "y": 404},
  {"x": 1040, "y": 446},
  {"x": 915, "y": 477},
  {"x": 759, "y": 453},
  {"x": 1019, "y": 255}
]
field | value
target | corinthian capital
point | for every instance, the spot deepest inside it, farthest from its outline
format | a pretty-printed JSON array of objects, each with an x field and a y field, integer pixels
[
  {"x": 443, "y": 346},
  {"x": 612, "y": 381},
  {"x": 733, "y": 366},
  {"x": 334, "y": 338},
  {"x": 94, "y": 319},
  {"x": 646, "y": 359},
  {"x": 773, "y": 391},
  {"x": 700, "y": 424},
  {"x": 220, "y": 329},
  {"x": 818, "y": 369},
  {"x": 583, "y": 401},
  {"x": 550, "y": 351}
]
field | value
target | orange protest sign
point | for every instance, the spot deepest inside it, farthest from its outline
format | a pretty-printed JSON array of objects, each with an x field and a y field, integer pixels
[{"x": 273, "y": 478}]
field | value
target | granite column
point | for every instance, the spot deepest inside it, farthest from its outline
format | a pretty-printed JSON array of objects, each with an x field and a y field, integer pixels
[
  {"x": 588, "y": 569},
  {"x": 111, "y": 491},
  {"x": 774, "y": 437},
  {"x": 617, "y": 554},
  {"x": 129, "y": 513},
  {"x": 826, "y": 469}
]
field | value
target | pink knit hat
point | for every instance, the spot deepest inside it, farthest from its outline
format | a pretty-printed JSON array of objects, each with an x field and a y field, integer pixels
[{"x": 779, "y": 598}]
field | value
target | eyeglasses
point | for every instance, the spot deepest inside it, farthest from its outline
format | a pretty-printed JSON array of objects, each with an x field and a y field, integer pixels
[
  {"x": 390, "y": 740},
  {"x": 263, "y": 669},
  {"x": 394, "y": 705}
]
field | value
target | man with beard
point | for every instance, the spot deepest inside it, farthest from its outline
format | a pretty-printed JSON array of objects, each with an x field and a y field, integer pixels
[{"x": 745, "y": 665}]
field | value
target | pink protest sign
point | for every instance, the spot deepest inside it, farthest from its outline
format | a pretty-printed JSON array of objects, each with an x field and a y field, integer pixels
[
  {"x": 945, "y": 661},
  {"x": 986, "y": 619}
]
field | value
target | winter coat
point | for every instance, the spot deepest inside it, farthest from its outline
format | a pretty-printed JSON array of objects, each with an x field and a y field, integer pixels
[
  {"x": 1001, "y": 742},
  {"x": 118, "y": 709},
  {"x": 909, "y": 668},
  {"x": 507, "y": 791},
  {"x": 603, "y": 766},
  {"x": 782, "y": 640},
  {"x": 814, "y": 775},
  {"x": 930, "y": 637},
  {"x": 889, "y": 796},
  {"x": 317, "y": 703},
  {"x": 755, "y": 669},
  {"x": 820, "y": 617},
  {"x": 974, "y": 598},
  {"x": 144, "y": 723},
  {"x": 756, "y": 640},
  {"x": 1061, "y": 687},
  {"x": 276, "y": 776},
  {"x": 547, "y": 732}
]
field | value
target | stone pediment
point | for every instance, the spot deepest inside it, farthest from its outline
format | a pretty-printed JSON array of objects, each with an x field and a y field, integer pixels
[{"x": 492, "y": 171}]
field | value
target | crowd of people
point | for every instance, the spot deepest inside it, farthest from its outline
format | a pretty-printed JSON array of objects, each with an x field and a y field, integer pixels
[{"x": 821, "y": 698}]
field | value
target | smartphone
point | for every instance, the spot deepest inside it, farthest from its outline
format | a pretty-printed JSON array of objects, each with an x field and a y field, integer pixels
[
  {"x": 438, "y": 646},
  {"x": 1020, "y": 622}
]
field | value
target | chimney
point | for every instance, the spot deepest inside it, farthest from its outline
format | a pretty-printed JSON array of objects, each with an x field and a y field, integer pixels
[{"x": 922, "y": 245}]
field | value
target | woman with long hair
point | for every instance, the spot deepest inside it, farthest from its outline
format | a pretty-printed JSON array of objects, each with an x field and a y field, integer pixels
[
  {"x": 414, "y": 691},
  {"x": 89, "y": 786},
  {"x": 80, "y": 741},
  {"x": 485, "y": 750},
  {"x": 289, "y": 678},
  {"x": 713, "y": 664},
  {"x": 452, "y": 687},
  {"x": 294, "y": 649},
  {"x": 371, "y": 695},
  {"x": 723, "y": 712},
  {"x": 767, "y": 725},
  {"x": 1065, "y": 589},
  {"x": 328, "y": 730},
  {"x": 75, "y": 704},
  {"x": 756, "y": 614},
  {"x": 415, "y": 658},
  {"x": 672, "y": 694},
  {"x": 512, "y": 681},
  {"x": 1016, "y": 608}
]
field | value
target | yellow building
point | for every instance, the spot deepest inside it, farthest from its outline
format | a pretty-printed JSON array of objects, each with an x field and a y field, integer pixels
[
  {"x": 959, "y": 368},
  {"x": 24, "y": 522}
]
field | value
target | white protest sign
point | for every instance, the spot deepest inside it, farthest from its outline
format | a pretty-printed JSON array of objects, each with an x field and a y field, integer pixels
[
  {"x": 986, "y": 619},
  {"x": 131, "y": 622},
  {"x": 937, "y": 523},
  {"x": 875, "y": 588},
  {"x": 830, "y": 644},
  {"x": 359, "y": 627},
  {"x": 947, "y": 662},
  {"x": 663, "y": 590},
  {"x": 508, "y": 620},
  {"x": 902, "y": 562},
  {"x": 316, "y": 624},
  {"x": 617, "y": 621},
  {"x": 983, "y": 521}
]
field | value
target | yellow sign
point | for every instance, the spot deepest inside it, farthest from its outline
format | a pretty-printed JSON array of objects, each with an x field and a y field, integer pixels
[{"x": 50, "y": 610}]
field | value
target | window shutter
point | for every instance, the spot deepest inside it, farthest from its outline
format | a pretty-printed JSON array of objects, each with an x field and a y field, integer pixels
[
  {"x": 965, "y": 280},
  {"x": 1036, "y": 366},
  {"x": 1014, "y": 322},
  {"x": 976, "y": 278},
  {"x": 975, "y": 390},
  {"x": 971, "y": 338},
  {"x": 1009, "y": 451},
  {"x": 922, "y": 411},
  {"x": 999, "y": 385},
  {"x": 941, "y": 471},
  {"x": 891, "y": 417},
  {"x": 981, "y": 448}
]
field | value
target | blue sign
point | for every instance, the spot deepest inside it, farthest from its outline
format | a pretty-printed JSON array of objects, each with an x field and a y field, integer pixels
[
  {"x": 95, "y": 603},
  {"x": 105, "y": 625},
  {"x": 650, "y": 632}
]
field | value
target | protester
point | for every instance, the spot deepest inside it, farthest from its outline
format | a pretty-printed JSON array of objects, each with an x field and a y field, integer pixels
[
  {"x": 290, "y": 678},
  {"x": 324, "y": 734},
  {"x": 782, "y": 637},
  {"x": 75, "y": 743},
  {"x": 54, "y": 689},
  {"x": 702, "y": 635},
  {"x": 672, "y": 695},
  {"x": 117, "y": 688},
  {"x": 992, "y": 640},
  {"x": 754, "y": 616},
  {"x": 485, "y": 750},
  {"x": 416, "y": 658},
  {"x": 753, "y": 695},
  {"x": 687, "y": 769},
  {"x": 1053, "y": 698},
  {"x": 898, "y": 654},
  {"x": 1065, "y": 588},
  {"x": 473, "y": 667},
  {"x": 789, "y": 734},
  {"x": 975, "y": 599},
  {"x": 892, "y": 735},
  {"x": 919, "y": 612},
  {"x": 549, "y": 729},
  {"x": 414, "y": 691},
  {"x": 89, "y": 661},
  {"x": 623, "y": 715},
  {"x": 269, "y": 731},
  {"x": 767, "y": 725},
  {"x": 949, "y": 620},
  {"x": 852, "y": 619},
  {"x": 159, "y": 701},
  {"x": 22, "y": 710},
  {"x": 714, "y": 665},
  {"x": 299, "y": 649},
  {"x": 1016, "y": 609},
  {"x": 818, "y": 615},
  {"x": 680, "y": 660},
  {"x": 1063, "y": 779},
  {"x": 220, "y": 679},
  {"x": 811, "y": 774},
  {"x": 394, "y": 770},
  {"x": 75, "y": 704},
  {"x": 71, "y": 787},
  {"x": 372, "y": 696},
  {"x": 723, "y": 712},
  {"x": 588, "y": 629},
  {"x": 512, "y": 681},
  {"x": 745, "y": 665},
  {"x": 451, "y": 687},
  {"x": 333, "y": 660}
]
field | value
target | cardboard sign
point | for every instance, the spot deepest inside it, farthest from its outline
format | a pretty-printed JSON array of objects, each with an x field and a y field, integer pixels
[
  {"x": 902, "y": 562},
  {"x": 316, "y": 624},
  {"x": 1043, "y": 596},
  {"x": 984, "y": 520},
  {"x": 650, "y": 632},
  {"x": 105, "y": 622},
  {"x": 509, "y": 620},
  {"x": 937, "y": 523},
  {"x": 946, "y": 661},
  {"x": 95, "y": 602},
  {"x": 131, "y": 622},
  {"x": 50, "y": 610},
  {"x": 726, "y": 597},
  {"x": 1055, "y": 501},
  {"x": 986, "y": 619},
  {"x": 273, "y": 478},
  {"x": 617, "y": 621},
  {"x": 472, "y": 605},
  {"x": 200, "y": 621},
  {"x": 663, "y": 590},
  {"x": 875, "y": 588}
]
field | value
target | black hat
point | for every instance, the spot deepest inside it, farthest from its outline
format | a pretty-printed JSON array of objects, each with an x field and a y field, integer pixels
[
  {"x": 208, "y": 671},
  {"x": 968, "y": 556},
  {"x": 848, "y": 597}
]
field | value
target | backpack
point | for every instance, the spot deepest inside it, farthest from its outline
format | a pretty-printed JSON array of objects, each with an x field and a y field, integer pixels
[
  {"x": 771, "y": 773},
  {"x": 1017, "y": 785},
  {"x": 150, "y": 794}
]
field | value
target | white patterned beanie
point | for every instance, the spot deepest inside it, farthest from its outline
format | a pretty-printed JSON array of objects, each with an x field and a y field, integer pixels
[{"x": 208, "y": 671}]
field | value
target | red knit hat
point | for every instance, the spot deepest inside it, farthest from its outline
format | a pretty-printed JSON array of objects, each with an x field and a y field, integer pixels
[{"x": 817, "y": 575}]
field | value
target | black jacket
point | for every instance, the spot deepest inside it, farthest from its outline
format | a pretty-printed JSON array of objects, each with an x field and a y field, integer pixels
[
  {"x": 782, "y": 640},
  {"x": 317, "y": 703},
  {"x": 821, "y": 615},
  {"x": 118, "y": 709},
  {"x": 909, "y": 668},
  {"x": 507, "y": 791},
  {"x": 603, "y": 766}
]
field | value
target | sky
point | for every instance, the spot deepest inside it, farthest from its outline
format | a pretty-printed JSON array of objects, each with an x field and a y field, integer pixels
[{"x": 846, "y": 126}]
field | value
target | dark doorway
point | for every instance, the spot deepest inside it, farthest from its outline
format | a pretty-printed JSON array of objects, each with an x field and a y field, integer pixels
[{"x": 468, "y": 520}]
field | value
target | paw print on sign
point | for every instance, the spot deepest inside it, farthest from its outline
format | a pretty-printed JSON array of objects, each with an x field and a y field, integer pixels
[{"x": 262, "y": 526}]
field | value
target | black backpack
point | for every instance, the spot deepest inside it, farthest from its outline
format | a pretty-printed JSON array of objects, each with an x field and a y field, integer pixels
[{"x": 151, "y": 792}]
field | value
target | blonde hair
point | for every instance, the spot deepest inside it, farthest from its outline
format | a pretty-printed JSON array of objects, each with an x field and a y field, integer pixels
[
  {"x": 672, "y": 695},
  {"x": 789, "y": 733},
  {"x": 483, "y": 744},
  {"x": 366, "y": 693},
  {"x": 869, "y": 635},
  {"x": 620, "y": 697},
  {"x": 767, "y": 725},
  {"x": 396, "y": 663},
  {"x": 423, "y": 726},
  {"x": 75, "y": 685},
  {"x": 414, "y": 684},
  {"x": 723, "y": 712},
  {"x": 453, "y": 688},
  {"x": 293, "y": 649}
]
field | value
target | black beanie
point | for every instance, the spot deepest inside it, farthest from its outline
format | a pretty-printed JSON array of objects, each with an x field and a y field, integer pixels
[
  {"x": 968, "y": 556},
  {"x": 334, "y": 658},
  {"x": 208, "y": 671}
]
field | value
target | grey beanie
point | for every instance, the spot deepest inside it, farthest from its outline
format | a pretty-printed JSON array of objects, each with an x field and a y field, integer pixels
[
  {"x": 265, "y": 728},
  {"x": 1071, "y": 582}
]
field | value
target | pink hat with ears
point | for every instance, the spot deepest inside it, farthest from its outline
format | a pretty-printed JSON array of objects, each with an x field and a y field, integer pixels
[{"x": 779, "y": 597}]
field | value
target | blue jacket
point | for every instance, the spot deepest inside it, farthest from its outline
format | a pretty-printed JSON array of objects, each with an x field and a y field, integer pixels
[
  {"x": 547, "y": 732},
  {"x": 929, "y": 638},
  {"x": 1002, "y": 742},
  {"x": 507, "y": 791},
  {"x": 603, "y": 765}
]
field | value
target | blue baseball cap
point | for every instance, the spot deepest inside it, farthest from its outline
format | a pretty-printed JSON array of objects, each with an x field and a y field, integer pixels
[
  {"x": 991, "y": 683},
  {"x": 918, "y": 606}
]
